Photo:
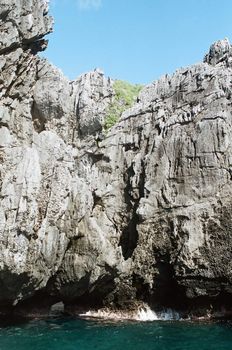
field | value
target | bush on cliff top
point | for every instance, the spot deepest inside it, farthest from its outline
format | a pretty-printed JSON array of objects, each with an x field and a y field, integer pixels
[{"x": 125, "y": 96}]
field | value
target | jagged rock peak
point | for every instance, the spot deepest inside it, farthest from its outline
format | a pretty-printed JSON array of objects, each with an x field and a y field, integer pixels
[
  {"x": 220, "y": 51},
  {"x": 24, "y": 23}
]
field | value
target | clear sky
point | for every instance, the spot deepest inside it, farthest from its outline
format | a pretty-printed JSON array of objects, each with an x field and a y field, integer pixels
[{"x": 135, "y": 40}]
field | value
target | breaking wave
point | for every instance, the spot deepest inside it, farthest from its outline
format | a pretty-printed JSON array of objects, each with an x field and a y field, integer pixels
[
  {"x": 146, "y": 314},
  {"x": 143, "y": 314}
]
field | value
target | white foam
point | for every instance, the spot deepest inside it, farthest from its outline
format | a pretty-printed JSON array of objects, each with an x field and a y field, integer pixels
[
  {"x": 146, "y": 314},
  {"x": 143, "y": 314},
  {"x": 170, "y": 315},
  {"x": 106, "y": 315}
]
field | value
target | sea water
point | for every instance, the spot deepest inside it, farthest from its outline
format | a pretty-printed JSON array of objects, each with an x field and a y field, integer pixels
[{"x": 77, "y": 334}]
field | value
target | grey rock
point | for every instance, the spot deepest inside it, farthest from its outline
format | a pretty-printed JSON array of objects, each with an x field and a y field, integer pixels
[
  {"x": 23, "y": 22},
  {"x": 220, "y": 52},
  {"x": 93, "y": 95},
  {"x": 140, "y": 213}
]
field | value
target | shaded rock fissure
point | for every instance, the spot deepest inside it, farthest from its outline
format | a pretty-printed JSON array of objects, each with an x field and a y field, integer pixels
[{"x": 129, "y": 237}]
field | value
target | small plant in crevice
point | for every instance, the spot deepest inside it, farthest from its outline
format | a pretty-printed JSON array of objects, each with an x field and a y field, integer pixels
[{"x": 125, "y": 96}]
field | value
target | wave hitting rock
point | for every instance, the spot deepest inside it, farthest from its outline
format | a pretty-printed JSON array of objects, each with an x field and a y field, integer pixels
[{"x": 143, "y": 314}]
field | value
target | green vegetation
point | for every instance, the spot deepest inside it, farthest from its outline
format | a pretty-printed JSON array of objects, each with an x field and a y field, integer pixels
[{"x": 125, "y": 96}]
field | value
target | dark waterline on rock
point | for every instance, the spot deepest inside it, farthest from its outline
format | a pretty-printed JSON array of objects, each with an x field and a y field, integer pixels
[{"x": 69, "y": 333}]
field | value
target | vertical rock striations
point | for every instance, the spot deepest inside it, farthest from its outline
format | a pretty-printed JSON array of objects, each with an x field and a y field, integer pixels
[{"x": 142, "y": 212}]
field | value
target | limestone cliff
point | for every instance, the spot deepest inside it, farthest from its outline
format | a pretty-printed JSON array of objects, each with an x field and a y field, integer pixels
[{"x": 142, "y": 212}]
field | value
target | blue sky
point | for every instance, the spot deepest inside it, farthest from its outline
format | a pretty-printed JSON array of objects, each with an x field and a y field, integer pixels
[{"x": 135, "y": 40}]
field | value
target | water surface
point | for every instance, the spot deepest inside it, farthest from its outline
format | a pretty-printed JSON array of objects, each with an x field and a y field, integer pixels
[{"x": 75, "y": 334}]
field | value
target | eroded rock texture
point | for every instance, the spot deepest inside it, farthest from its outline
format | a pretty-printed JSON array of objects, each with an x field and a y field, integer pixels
[{"x": 140, "y": 213}]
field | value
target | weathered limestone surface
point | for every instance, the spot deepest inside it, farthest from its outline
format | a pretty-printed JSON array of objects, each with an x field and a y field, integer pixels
[
  {"x": 140, "y": 213},
  {"x": 23, "y": 22}
]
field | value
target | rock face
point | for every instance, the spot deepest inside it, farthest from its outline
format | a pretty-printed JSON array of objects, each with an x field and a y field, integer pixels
[
  {"x": 23, "y": 24},
  {"x": 140, "y": 214}
]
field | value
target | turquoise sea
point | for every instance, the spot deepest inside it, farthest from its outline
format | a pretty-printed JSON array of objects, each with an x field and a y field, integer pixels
[{"x": 75, "y": 334}]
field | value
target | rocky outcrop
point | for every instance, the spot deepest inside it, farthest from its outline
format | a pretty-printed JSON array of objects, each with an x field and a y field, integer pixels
[
  {"x": 24, "y": 24},
  {"x": 140, "y": 213}
]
